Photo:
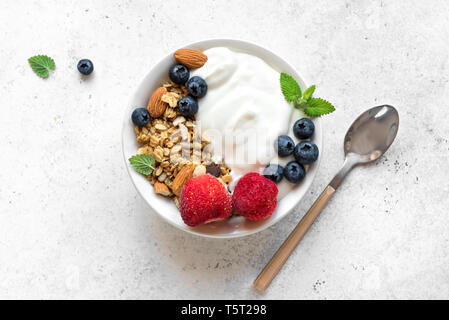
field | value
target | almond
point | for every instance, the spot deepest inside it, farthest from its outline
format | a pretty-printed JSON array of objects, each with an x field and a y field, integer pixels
[
  {"x": 156, "y": 106},
  {"x": 192, "y": 59},
  {"x": 181, "y": 179},
  {"x": 162, "y": 189}
]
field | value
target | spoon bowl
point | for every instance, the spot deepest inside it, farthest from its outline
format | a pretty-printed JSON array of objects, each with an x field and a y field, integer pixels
[
  {"x": 371, "y": 134},
  {"x": 368, "y": 137}
]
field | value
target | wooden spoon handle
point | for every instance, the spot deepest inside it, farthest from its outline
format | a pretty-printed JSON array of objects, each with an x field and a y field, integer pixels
[{"x": 272, "y": 268}]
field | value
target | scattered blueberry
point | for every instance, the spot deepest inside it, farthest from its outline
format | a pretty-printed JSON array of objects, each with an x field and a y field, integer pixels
[
  {"x": 197, "y": 87},
  {"x": 140, "y": 117},
  {"x": 306, "y": 152},
  {"x": 188, "y": 106},
  {"x": 179, "y": 74},
  {"x": 294, "y": 172},
  {"x": 284, "y": 146},
  {"x": 85, "y": 66},
  {"x": 303, "y": 128},
  {"x": 274, "y": 172}
]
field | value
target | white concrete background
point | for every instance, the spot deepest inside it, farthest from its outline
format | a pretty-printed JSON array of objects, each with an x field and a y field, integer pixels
[{"x": 73, "y": 226}]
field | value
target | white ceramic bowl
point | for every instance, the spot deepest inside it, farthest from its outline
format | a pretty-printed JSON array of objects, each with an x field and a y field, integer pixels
[{"x": 235, "y": 226}]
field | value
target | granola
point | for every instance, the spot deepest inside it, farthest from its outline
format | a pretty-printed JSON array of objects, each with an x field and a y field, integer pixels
[{"x": 169, "y": 138}]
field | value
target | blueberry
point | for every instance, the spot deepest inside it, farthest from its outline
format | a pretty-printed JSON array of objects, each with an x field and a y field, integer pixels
[
  {"x": 284, "y": 146},
  {"x": 294, "y": 172},
  {"x": 306, "y": 152},
  {"x": 140, "y": 117},
  {"x": 274, "y": 172},
  {"x": 303, "y": 128},
  {"x": 85, "y": 66},
  {"x": 179, "y": 74},
  {"x": 197, "y": 87},
  {"x": 188, "y": 106}
]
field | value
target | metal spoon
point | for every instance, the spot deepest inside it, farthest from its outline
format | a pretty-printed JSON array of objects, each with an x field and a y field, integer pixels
[{"x": 367, "y": 139}]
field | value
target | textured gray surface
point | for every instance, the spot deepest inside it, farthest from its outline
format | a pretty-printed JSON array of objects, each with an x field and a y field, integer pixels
[{"x": 73, "y": 226}]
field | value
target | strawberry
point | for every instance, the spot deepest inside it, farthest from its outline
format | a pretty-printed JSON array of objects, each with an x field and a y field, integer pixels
[
  {"x": 254, "y": 196},
  {"x": 204, "y": 199}
]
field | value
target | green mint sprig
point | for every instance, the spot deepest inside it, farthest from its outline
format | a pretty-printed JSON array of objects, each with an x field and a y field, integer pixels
[
  {"x": 142, "y": 163},
  {"x": 41, "y": 65},
  {"x": 313, "y": 107}
]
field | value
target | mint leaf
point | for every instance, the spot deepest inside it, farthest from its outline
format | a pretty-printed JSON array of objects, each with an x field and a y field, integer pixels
[
  {"x": 41, "y": 65},
  {"x": 289, "y": 87},
  {"x": 308, "y": 93},
  {"x": 142, "y": 163},
  {"x": 317, "y": 107},
  {"x": 313, "y": 107}
]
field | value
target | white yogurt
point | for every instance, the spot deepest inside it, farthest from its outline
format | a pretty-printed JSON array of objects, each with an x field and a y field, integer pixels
[{"x": 243, "y": 111}]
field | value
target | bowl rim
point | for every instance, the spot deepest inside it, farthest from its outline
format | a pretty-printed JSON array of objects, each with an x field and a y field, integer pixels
[{"x": 191, "y": 230}]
